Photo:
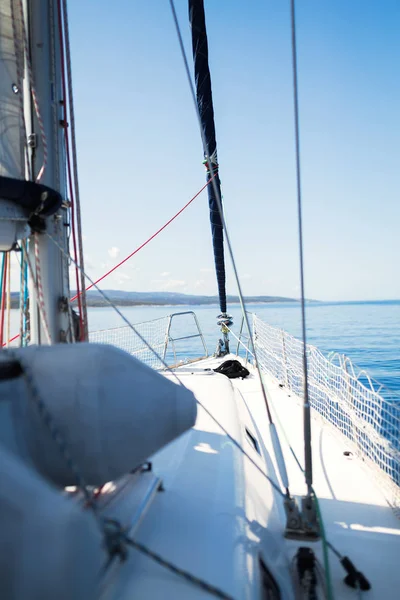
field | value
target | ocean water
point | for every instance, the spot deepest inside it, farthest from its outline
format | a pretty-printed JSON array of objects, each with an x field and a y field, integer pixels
[{"x": 367, "y": 332}]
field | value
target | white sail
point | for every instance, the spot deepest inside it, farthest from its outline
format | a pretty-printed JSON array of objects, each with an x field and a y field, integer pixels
[{"x": 12, "y": 135}]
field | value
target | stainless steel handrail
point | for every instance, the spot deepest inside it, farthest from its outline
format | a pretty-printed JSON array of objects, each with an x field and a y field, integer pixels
[
  {"x": 240, "y": 342},
  {"x": 169, "y": 338}
]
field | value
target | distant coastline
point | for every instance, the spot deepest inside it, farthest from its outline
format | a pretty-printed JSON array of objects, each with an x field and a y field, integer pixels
[
  {"x": 94, "y": 299},
  {"x": 121, "y": 298}
]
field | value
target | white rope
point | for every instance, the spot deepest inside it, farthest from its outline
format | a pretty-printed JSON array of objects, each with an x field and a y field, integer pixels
[
  {"x": 38, "y": 289},
  {"x": 241, "y": 342}
]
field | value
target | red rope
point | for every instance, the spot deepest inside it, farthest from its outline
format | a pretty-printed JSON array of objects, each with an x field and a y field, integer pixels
[
  {"x": 3, "y": 298},
  {"x": 69, "y": 170},
  {"x": 146, "y": 242},
  {"x": 135, "y": 251}
]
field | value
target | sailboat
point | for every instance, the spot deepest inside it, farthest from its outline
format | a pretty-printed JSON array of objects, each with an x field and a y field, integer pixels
[{"x": 124, "y": 476}]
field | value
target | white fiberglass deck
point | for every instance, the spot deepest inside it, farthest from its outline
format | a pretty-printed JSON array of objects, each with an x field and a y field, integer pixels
[
  {"x": 218, "y": 514},
  {"x": 357, "y": 518}
]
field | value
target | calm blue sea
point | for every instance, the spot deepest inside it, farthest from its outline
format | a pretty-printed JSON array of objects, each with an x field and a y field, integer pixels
[{"x": 367, "y": 332}]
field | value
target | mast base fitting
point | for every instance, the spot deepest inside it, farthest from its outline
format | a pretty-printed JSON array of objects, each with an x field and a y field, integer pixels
[
  {"x": 224, "y": 319},
  {"x": 302, "y": 525}
]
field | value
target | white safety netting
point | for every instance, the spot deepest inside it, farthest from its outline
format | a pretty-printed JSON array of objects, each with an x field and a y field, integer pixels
[
  {"x": 349, "y": 401},
  {"x": 154, "y": 332}
]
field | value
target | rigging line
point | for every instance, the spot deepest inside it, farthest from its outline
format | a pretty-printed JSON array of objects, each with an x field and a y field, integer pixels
[
  {"x": 173, "y": 372},
  {"x": 204, "y": 585},
  {"x": 231, "y": 438},
  {"x": 56, "y": 108},
  {"x": 325, "y": 542},
  {"x": 111, "y": 303},
  {"x": 242, "y": 303},
  {"x": 8, "y": 296},
  {"x": 3, "y": 295},
  {"x": 218, "y": 198},
  {"x": 276, "y": 416},
  {"x": 55, "y": 433},
  {"x": 74, "y": 161},
  {"x": 240, "y": 342},
  {"x": 69, "y": 169},
  {"x": 306, "y": 405},
  {"x": 274, "y": 436},
  {"x": 38, "y": 295},
  {"x": 21, "y": 299},
  {"x": 242, "y": 450},
  {"x": 147, "y": 241},
  {"x": 94, "y": 283},
  {"x": 90, "y": 496},
  {"x": 34, "y": 94}
]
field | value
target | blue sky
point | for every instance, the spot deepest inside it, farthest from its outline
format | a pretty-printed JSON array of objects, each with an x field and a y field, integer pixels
[{"x": 140, "y": 152}]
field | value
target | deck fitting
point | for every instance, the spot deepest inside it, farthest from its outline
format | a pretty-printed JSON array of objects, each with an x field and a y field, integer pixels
[{"x": 301, "y": 525}]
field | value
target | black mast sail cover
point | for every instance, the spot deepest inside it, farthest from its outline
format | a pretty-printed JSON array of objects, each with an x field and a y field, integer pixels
[{"x": 206, "y": 110}]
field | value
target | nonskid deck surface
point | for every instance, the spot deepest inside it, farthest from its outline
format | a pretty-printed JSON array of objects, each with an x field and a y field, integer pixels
[{"x": 218, "y": 514}]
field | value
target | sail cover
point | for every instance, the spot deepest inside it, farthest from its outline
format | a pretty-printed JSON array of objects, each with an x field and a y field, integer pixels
[
  {"x": 12, "y": 137},
  {"x": 206, "y": 110}
]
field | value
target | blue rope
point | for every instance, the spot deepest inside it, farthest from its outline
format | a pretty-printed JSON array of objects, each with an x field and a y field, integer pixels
[
  {"x": 3, "y": 266},
  {"x": 24, "y": 294}
]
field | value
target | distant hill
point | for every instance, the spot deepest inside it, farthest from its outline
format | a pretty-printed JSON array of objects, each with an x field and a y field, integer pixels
[{"x": 160, "y": 298}]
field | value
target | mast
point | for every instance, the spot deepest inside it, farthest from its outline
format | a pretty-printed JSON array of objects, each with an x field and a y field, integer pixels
[
  {"x": 206, "y": 112},
  {"x": 32, "y": 161},
  {"x": 51, "y": 263}
]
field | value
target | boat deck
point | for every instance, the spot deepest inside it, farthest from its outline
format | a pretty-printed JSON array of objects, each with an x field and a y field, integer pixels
[
  {"x": 357, "y": 518},
  {"x": 218, "y": 515}
]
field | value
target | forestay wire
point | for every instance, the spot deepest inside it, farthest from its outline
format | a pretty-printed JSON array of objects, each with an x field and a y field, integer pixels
[
  {"x": 274, "y": 436},
  {"x": 307, "y": 423},
  {"x": 206, "y": 113},
  {"x": 217, "y": 196}
]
